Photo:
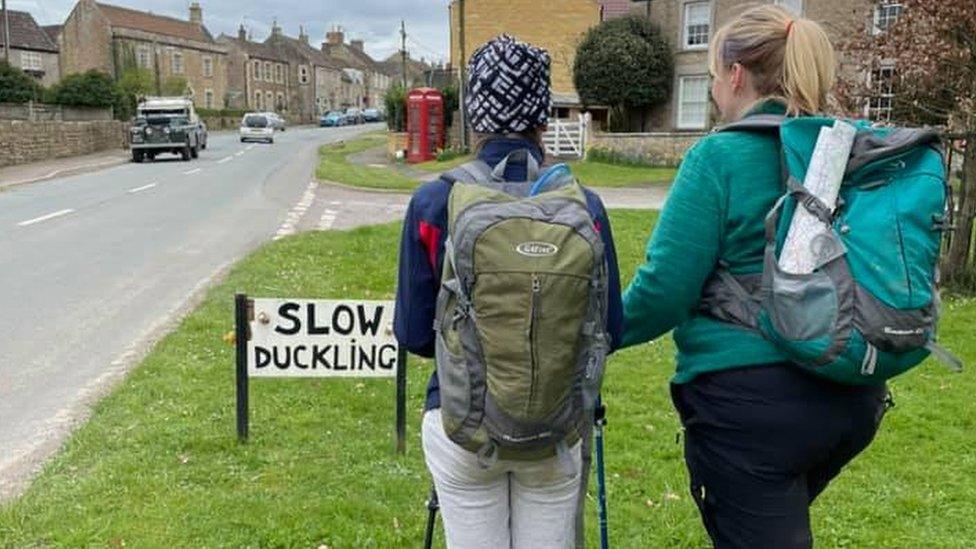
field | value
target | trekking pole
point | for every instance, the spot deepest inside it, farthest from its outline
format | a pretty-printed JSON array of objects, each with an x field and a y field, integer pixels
[
  {"x": 432, "y": 506},
  {"x": 600, "y": 420}
]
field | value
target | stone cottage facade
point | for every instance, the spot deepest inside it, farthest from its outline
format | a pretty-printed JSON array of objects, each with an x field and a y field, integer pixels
[
  {"x": 31, "y": 48},
  {"x": 112, "y": 39}
]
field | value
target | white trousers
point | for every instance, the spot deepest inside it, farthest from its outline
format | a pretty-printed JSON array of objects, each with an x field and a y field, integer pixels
[{"x": 511, "y": 505}]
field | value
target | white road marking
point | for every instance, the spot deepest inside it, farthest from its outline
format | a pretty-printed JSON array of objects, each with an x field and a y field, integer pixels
[
  {"x": 191, "y": 172},
  {"x": 249, "y": 147},
  {"x": 44, "y": 217},
  {"x": 226, "y": 159},
  {"x": 142, "y": 188},
  {"x": 239, "y": 153},
  {"x": 290, "y": 225},
  {"x": 327, "y": 220}
]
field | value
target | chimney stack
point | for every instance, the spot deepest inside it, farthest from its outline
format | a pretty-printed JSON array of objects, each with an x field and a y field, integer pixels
[
  {"x": 302, "y": 36},
  {"x": 356, "y": 45},
  {"x": 275, "y": 30},
  {"x": 241, "y": 33},
  {"x": 335, "y": 37},
  {"x": 196, "y": 13}
]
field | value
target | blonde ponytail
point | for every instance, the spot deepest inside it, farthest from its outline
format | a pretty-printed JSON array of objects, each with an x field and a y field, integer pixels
[{"x": 790, "y": 58}]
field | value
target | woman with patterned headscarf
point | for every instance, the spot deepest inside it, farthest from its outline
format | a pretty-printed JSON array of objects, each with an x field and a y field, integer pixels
[{"x": 502, "y": 502}]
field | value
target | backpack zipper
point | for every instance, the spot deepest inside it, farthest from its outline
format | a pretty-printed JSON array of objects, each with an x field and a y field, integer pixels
[{"x": 533, "y": 325}]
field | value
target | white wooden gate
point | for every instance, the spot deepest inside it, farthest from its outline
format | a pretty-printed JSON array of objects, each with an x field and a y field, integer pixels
[{"x": 566, "y": 137}]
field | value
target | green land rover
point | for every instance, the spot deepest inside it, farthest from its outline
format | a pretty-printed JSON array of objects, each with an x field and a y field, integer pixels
[{"x": 165, "y": 125}]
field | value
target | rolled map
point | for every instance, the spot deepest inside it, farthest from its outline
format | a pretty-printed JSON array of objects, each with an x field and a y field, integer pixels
[{"x": 808, "y": 244}]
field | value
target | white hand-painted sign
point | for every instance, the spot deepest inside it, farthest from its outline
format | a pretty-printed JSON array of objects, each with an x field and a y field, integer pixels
[{"x": 321, "y": 338}]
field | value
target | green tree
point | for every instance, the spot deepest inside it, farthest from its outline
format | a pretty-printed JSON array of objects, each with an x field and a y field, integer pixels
[
  {"x": 624, "y": 64},
  {"x": 89, "y": 89},
  {"x": 133, "y": 84},
  {"x": 396, "y": 108},
  {"x": 175, "y": 85},
  {"x": 451, "y": 103},
  {"x": 16, "y": 86}
]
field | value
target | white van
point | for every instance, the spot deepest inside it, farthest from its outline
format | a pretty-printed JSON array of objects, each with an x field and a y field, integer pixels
[{"x": 257, "y": 126}]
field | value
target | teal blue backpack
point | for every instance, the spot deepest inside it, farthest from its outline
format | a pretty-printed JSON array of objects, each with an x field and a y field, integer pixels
[{"x": 869, "y": 312}]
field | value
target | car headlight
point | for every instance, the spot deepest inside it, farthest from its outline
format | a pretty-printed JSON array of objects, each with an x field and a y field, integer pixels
[
  {"x": 165, "y": 130},
  {"x": 149, "y": 131}
]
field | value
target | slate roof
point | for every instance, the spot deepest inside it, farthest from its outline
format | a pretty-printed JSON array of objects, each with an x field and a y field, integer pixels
[
  {"x": 53, "y": 31},
  {"x": 26, "y": 34},
  {"x": 157, "y": 24},
  {"x": 255, "y": 49}
]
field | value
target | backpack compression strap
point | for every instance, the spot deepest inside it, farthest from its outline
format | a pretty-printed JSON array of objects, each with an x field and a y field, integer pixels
[{"x": 478, "y": 171}]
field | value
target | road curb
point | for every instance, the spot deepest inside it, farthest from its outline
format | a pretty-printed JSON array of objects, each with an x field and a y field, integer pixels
[
  {"x": 73, "y": 170},
  {"x": 364, "y": 189}
]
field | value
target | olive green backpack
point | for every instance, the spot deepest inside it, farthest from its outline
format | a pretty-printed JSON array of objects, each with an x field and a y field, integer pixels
[{"x": 521, "y": 314}]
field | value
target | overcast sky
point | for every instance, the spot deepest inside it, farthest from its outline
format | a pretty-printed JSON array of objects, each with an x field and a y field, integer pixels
[{"x": 375, "y": 21}]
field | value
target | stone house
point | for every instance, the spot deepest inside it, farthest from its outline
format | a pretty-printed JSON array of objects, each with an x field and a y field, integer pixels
[
  {"x": 31, "y": 48},
  {"x": 556, "y": 26},
  {"x": 258, "y": 75},
  {"x": 361, "y": 69},
  {"x": 312, "y": 76},
  {"x": 113, "y": 39}
]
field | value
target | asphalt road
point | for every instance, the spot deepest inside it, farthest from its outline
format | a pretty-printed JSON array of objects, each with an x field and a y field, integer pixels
[{"x": 93, "y": 266}]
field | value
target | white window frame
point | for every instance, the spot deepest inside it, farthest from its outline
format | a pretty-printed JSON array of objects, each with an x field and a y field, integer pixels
[
  {"x": 31, "y": 61},
  {"x": 176, "y": 65},
  {"x": 256, "y": 70},
  {"x": 267, "y": 72},
  {"x": 679, "y": 122},
  {"x": 208, "y": 98},
  {"x": 257, "y": 100},
  {"x": 207, "y": 66},
  {"x": 795, "y": 6},
  {"x": 685, "y": 34},
  {"x": 303, "y": 74},
  {"x": 881, "y": 93},
  {"x": 886, "y": 13},
  {"x": 143, "y": 56}
]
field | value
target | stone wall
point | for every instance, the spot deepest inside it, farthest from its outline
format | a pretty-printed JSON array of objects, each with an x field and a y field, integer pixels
[
  {"x": 22, "y": 142},
  {"x": 39, "y": 112},
  {"x": 659, "y": 149}
]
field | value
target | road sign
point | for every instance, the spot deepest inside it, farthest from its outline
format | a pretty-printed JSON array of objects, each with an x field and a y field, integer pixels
[
  {"x": 317, "y": 338},
  {"x": 321, "y": 338}
]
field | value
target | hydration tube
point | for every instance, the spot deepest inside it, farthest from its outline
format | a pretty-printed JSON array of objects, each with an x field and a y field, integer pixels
[{"x": 555, "y": 172}]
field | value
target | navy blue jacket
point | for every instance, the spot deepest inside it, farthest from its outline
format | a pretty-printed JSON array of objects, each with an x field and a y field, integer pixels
[{"x": 422, "y": 256}]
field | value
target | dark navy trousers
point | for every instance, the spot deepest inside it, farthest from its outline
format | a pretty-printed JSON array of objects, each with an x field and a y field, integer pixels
[{"x": 761, "y": 443}]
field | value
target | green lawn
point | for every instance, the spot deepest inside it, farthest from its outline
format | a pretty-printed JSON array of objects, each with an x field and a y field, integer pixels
[
  {"x": 158, "y": 464},
  {"x": 436, "y": 167},
  {"x": 334, "y": 166},
  {"x": 599, "y": 174}
]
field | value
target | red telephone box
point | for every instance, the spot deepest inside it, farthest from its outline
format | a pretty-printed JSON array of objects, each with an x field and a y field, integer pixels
[{"x": 425, "y": 124}]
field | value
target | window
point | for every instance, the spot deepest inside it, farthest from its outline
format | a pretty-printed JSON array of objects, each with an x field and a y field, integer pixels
[
  {"x": 303, "y": 75},
  {"x": 882, "y": 93},
  {"x": 207, "y": 66},
  {"x": 257, "y": 100},
  {"x": 142, "y": 57},
  {"x": 208, "y": 99},
  {"x": 267, "y": 72},
  {"x": 269, "y": 100},
  {"x": 280, "y": 103},
  {"x": 281, "y": 74},
  {"x": 692, "y": 102},
  {"x": 256, "y": 73},
  {"x": 176, "y": 63},
  {"x": 698, "y": 22},
  {"x": 31, "y": 61},
  {"x": 885, "y": 15},
  {"x": 796, "y": 6}
]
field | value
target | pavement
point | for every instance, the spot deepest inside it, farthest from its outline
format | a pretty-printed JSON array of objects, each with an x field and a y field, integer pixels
[{"x": 99, "y": 265}]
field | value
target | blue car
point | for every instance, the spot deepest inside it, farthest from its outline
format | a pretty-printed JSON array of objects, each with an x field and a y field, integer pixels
[{"x": 334, "y": 118}]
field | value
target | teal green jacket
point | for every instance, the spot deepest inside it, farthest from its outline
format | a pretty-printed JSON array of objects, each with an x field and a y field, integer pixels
[{"x": 726, "y": 185}]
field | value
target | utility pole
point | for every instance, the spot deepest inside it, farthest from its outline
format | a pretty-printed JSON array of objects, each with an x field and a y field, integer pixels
[
  {"x": 403, "y": 50},
  {"x": 6, "y": 33},
  {"x": 463, "y": 63}
]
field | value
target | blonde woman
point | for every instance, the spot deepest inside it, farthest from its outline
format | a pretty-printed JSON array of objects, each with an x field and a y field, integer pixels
[{"x": 762, "y": 438}]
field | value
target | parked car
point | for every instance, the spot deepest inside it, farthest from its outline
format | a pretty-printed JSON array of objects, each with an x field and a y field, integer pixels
[
  {"x": 166, "y": 125},
  {"x": 257, "y": 126},
  {"x": 372, "y": 115},
  {"x": 276, "y": 120},
  {"x": 333, "y": 118},
  {"x": 354, "y": 115}
]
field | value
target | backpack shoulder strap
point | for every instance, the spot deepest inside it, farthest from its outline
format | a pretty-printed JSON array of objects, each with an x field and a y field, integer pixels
[{"x": 476, "y": 171}]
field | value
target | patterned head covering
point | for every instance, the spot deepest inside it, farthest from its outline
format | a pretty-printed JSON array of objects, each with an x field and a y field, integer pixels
[{"x": 508, "y": 87}]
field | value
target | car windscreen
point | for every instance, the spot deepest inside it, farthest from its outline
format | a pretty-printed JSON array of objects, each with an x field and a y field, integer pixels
[
  {"x": 160, "y": 120},
  {"x": 256, "y": 122}
]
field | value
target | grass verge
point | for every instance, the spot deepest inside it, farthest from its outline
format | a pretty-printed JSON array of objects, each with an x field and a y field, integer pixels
[
  {"x": 158, "y": 464},
  {"x": 334, "y": 165},
  {"x": 599, "y": 174}
]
